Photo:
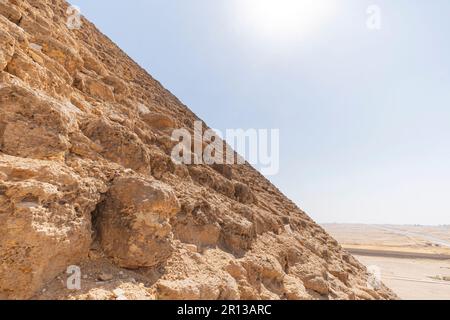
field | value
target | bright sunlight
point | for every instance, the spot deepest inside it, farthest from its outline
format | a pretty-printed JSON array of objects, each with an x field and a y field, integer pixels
[{"x": 284, "y": 19}]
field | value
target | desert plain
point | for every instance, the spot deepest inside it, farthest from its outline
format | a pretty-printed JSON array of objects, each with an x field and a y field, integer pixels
[{"x": 413, "y": 260}]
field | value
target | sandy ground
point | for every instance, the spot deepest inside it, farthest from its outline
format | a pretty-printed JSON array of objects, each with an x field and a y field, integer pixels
[
  {"x": 414, "y": 261},
  {"x": 413, "y": 278}
]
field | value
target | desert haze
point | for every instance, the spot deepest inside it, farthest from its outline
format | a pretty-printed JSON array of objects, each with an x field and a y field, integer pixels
[{"x": 414, "y": 261}]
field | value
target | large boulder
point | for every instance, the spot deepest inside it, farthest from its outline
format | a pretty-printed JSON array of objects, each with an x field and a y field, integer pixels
[
  {"x": 45, "y": 223},
  {"x": 34, "y": 125},
  {"x": 133, "y": 223}
]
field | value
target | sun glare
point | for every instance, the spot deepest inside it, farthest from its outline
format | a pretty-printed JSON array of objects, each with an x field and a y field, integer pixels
[{"x": 284, "y": 19}]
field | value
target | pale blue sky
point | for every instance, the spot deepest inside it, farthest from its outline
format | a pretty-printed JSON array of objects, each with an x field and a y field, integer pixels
[{"x": 364, "y": 115}]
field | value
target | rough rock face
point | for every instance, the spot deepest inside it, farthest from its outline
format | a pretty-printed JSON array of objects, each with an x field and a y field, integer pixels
[
  {"x": 45, "y": 222},
  {"x": 86, "y": 178},
  {"x": 133, "y": 223}
]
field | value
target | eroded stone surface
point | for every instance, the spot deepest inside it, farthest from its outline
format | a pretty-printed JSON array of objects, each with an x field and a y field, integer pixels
[
  {"x": 133, "y": 222},
  {"x": 45, "y": 222}
]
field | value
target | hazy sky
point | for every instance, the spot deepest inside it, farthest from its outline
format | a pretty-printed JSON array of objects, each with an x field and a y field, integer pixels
[{"x": 364, "y": 115}]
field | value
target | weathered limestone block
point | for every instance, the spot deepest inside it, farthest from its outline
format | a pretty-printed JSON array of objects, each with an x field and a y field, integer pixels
[
  {"x": 28, "y": 67},
  {"x": 224, "y": 169},
  {"x": 32, "y": 26},
  {"x": 197, "y": 223},
  {"x": 120, "y": 88},
  {"x": 340, "y": 274},
  {"x": 7, "y": 44},
  {"x": 207, "y": 177},
  {"x": 10, "y": 11},
  {"x": 133, "y": 223},
  {"x": 207, "y": 287},
  {"x": 179, "y": 289},
  {"x": 160, "y": 163},
  {"x": 243, "y": 193},
  {"x": 20, "y": 36},
  {"x": 33, "y": 125},
  {"x": 158, "y": 120},
  {"x": 237, "y": 234},
  {"x": 263, "y": 269},
  {"x": 90, "y": 62},
  {"x": 118, "y": 144},
  {"x": 65, "y": 55},
  {"x": 45, "y": 223},
  {"x": 294, "y": 289},
  {"x": 317, "y": 284},
  {"x": 223, "y": 186},
  {"x": 94, "y": 87}
]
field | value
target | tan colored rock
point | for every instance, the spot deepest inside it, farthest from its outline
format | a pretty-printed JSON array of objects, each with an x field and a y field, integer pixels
[
  {"x": 19, "y": 35},
  {"x": 119, "y": 86},
  {"x": 7, "y": 44},
  {"x": 45, "y": 223},
  {"x": 361, "y": 294},
  {"x": 105, "y": 277},
  {"x": 199, "y": 289},
  {"x": 34, "y": 125},
  {"x": 238, "y": 234},
  {"x": 294, "y": 289},
  {"x": 317, "y": 284},
  {"x": 225, "y": 170},
  {"x": 118, "y": 144},
  {"x": 36, "y": 57},
  {"x": 62, "y": 53},
  {"x": 28, "y": 67},
  {"x": 179, "y": 290},
  {"x": 158, "y": 121},
  {"x": 94, "y": 87},
  {"x": 10, "y": 11},
  {"x": 90, "y": 62},
  {"x": 133, "y": 224},
  {"x": 192, "y": 248},
  {"x": 243, "y": 193},
  {"x": 340, "y": 274},
  {"x": 197, "y": 224}
]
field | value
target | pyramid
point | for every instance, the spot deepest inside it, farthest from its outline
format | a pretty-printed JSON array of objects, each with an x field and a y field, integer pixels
[{"x": 89, "y": 189}]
